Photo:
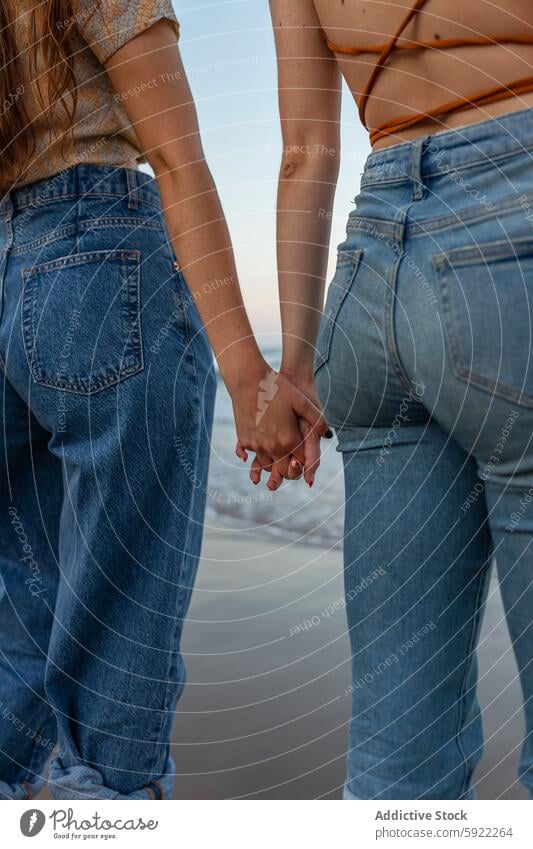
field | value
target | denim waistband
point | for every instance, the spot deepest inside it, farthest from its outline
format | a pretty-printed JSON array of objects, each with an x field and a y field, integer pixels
[
  {"x": 83, "y": 181},
  {"x": 452, "y": 150}
]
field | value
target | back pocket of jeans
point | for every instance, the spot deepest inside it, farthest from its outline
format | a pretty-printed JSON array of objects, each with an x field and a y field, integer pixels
[
  {"x": 486, "y": 294},
  {"x": 347, "y": 265},
  {"x": 81, "y": 322}
]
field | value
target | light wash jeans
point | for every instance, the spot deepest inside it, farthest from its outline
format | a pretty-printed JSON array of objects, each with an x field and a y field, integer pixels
[
  {"x": 425, "y": 369},
  {"x": 107, "y": 399}
]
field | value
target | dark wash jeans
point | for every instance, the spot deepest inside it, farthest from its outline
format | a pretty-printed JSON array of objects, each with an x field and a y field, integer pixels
[
  {"x": 107, "y": 402},
  {"x": 425, "y": 368}
]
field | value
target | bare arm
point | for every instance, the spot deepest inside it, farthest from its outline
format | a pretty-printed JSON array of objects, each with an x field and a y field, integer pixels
[
  {"x": 148, "y": 73},
  {"x": 309, "y": 102}
]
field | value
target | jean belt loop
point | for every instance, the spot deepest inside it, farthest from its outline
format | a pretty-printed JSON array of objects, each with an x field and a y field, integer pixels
[
  {"x": 415, "y": 169},
  {"x": 133, "y": 193}
]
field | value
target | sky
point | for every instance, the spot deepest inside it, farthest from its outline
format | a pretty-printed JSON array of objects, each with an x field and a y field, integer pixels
[{"x": 227, "y": 47}]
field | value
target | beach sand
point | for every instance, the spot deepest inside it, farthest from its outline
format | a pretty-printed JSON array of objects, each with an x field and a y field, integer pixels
[{"x": 264, "y": 712}]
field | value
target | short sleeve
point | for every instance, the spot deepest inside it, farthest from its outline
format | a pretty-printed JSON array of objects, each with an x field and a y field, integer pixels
[{"x": 109, "y": 24}]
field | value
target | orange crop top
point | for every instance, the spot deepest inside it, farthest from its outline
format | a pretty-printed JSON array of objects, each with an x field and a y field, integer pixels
[{"x": 479, "y": 98}]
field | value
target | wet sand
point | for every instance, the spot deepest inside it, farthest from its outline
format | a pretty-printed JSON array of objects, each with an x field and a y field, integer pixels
[{"x": 264, "y": 712}]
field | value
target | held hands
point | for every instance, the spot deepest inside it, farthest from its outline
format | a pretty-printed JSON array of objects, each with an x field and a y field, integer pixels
[{"x": 282, "y": 423}]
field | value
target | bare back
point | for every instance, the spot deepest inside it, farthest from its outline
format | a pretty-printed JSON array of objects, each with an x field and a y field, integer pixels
[{"x": 423, "y": 79}]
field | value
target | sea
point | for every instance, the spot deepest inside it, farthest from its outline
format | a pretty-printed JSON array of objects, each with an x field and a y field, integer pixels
[{"x": 294, "y": 513}]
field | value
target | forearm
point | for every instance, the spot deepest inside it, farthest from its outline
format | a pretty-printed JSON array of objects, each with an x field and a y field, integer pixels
[
  {"x": 305, "y": 201},
  {"x": 202, "y": 244}
]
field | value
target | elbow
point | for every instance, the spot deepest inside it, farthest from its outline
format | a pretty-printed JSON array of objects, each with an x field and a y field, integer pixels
[
  {"x": 311, "y": 157},
  {"x": 178, "y": 159},
  {"x": 163, "y": 165}
]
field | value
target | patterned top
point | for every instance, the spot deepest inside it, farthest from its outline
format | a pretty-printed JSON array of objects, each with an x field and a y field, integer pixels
[{"x": 102, "y": 133}]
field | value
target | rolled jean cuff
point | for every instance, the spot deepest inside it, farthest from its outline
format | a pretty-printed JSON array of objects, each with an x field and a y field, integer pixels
[
  {"x": 21, "y": 789},
  {"x": 85, "y": 782},
  {"x": 348, "y": 795}
]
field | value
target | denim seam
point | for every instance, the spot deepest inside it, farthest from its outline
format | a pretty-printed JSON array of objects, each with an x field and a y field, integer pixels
[
  {"x": 486, "y": 159},
  {"x": 442, "y": 172},
  {"x": 468, "y": 666},
  {"x": 175, "y": 648},
  {"x": 497, "y": 388},
  {"x": 43, "y": 201},
  {"x": 389, "y": 325},
  {"x": 113, "y": 221},
  {"x": 352, "y": 265},
  {"x": 73, "y": 260},
  {"x": 30, "y": 771},
  {"x": 417, "y": 228},
  {"x": 48, "y": 238},
  {"x": 88, "y": 224},
  {"x": 497, "y": 250},
  {"x": 372, "y": 226},
  {"x": 446, "y": 222},
  {"x": 5, "y": 256},
  {"x": 131, "y": 313}
]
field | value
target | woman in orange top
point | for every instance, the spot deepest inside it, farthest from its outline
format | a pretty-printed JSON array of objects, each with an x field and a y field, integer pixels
[{"x": 423, "y": 356}]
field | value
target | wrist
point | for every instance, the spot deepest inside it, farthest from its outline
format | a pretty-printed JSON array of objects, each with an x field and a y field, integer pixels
[
  {"x": 242, "y": 365},
  {"x": 301, "y": 374}
]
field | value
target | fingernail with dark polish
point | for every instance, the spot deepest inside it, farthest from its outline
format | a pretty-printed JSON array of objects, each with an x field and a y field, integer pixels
[{"x": 329, "y": 434}]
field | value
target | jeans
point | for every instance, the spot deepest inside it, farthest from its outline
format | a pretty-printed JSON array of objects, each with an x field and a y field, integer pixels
[
  {"x": 424, "y": 366},
  {"x": 107, "y": 403}
]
